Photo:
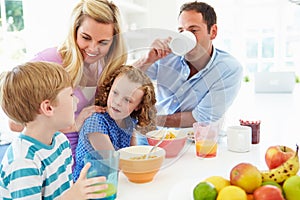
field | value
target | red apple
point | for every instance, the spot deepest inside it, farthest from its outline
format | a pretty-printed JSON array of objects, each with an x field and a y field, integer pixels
[
  {"x": 277, "y": 155},
  {"x": 245, "y": 176},
  {"x": 268, "y": 192}
]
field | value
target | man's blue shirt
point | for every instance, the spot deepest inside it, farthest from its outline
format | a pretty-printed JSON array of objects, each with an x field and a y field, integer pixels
[{"x": 208, "y": 94}]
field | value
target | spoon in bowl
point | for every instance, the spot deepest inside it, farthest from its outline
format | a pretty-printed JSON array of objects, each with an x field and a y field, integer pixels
[{"x": 158, "y": 143}]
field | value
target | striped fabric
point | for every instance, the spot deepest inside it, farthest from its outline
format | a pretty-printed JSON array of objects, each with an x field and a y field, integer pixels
[{"x": 33, "y": 170}]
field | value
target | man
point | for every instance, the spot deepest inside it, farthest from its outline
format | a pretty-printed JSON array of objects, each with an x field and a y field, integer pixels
[{"x": 199, "y": 86}]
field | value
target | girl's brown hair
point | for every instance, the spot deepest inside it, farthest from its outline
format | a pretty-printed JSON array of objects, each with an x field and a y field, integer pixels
[{"x": 147, "y": 113}]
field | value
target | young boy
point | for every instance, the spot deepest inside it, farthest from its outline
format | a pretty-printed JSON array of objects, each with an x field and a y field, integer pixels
[{"x": 37, "y": 165}]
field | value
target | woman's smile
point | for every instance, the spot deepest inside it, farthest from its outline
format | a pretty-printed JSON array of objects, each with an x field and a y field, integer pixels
[{"x": 91, "y": 54}]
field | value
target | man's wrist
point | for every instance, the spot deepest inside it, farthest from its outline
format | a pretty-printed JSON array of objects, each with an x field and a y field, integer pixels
[
  {"x": 142, "y": 63},
  {"x": 161, "y": 120}
]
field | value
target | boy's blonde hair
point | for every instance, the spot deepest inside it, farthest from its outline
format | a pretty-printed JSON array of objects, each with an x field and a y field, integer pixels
[
  {"x": 147, "y": 113},
  {"x": 103, "y": 12},
  {"x": 26, "y": 86}
]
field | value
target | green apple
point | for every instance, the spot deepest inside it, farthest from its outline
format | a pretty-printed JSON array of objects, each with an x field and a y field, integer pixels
[
  {"x": 291, "y": 188},
  {"x": 272, "y": 183}
]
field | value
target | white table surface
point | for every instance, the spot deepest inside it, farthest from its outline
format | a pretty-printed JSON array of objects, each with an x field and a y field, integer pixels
[{"x": 280, "y": 120}]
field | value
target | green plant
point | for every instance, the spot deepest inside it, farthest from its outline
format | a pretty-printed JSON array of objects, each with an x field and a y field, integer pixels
[
  {"x": 297, "y": 79},
  {"x": 246, "y": 79}
]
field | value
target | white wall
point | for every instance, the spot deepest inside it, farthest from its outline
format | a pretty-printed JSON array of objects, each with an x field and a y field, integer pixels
[
  {"x": 163, "y": 14},
  {"x": 45, "y": 22}
]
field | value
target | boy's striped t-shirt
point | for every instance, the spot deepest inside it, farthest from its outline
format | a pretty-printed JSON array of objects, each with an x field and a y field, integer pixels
[{"x": 33, "y": 170}]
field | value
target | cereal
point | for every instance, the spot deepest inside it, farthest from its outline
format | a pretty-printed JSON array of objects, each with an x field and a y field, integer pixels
[
  {"x": 170, "y": 135},
  {"x": 141, "y": 157}
]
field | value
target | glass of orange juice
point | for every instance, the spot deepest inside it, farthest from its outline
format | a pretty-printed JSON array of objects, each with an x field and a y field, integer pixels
[
  {"x": 206, "y": 148},
  {"x": 206, "y": 138}
]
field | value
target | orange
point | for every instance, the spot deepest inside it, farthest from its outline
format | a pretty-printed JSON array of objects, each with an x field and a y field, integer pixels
[
  {"x": 232, "y": 193},
  {"x": 250, "y": 197}
]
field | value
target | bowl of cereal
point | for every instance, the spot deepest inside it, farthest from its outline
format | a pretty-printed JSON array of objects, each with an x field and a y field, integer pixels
[
  {"x": 173, "y": 142},
  {"x": 136, "y": 167}
]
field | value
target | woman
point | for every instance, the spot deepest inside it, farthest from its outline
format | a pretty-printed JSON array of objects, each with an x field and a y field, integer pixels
[{"x": 93, "y": 49}]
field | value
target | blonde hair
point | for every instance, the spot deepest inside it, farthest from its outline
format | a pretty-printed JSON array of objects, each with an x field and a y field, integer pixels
[
  {"x": 103, "y": 12},
  {"x": 26, "y": 86},
  {"x": 147, "y": 113}
]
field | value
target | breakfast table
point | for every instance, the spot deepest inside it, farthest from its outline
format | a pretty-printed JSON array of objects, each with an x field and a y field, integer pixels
[{"x": 279, "y": 115}]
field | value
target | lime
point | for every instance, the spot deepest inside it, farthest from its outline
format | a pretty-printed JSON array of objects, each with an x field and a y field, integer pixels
[
  {"x": 205, "y": 191},
  {"x": 218, "y": 181}
]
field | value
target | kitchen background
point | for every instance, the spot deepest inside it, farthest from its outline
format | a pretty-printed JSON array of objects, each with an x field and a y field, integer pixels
[{"x": 263, "y": 34}]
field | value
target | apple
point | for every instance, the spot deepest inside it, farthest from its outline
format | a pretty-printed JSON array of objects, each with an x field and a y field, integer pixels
[
  {"x": 291, "y": 188},
  {"x": 273, "y": 183},
  {"x": 268, "y": 192},
  {"x": 246, "y": 176},
  {"x": 277, "y": 155}
]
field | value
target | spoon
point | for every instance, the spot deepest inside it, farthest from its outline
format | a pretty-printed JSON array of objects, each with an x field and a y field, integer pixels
[{"x": 158, "y": 143}]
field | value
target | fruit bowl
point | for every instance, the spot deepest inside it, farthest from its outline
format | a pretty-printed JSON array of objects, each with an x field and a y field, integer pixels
[
  {"x": 172, "y": 146},
  {"x": 138, "y": 169}
]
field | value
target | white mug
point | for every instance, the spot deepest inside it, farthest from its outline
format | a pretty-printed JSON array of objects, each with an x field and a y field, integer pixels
[
  {"x": 239, "y": 138},
  {"x": 183, "y": 43}
]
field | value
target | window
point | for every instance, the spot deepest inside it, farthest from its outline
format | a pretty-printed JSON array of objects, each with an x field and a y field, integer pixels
[
  {"x": 262, "y": 34},
  {"x": 12, "y": 44}
]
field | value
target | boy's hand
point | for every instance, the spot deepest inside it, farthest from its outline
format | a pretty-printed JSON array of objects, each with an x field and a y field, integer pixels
[{"x": 85, "y": 188}]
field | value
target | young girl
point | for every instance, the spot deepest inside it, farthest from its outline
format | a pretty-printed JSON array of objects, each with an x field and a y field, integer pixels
[{"x": 129, "y": 97}]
